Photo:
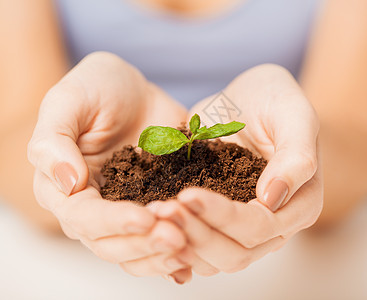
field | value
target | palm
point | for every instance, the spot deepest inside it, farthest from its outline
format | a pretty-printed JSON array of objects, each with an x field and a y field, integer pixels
[
  {"x": 254, "y": 137},
  {"x": 281, "y": 125},
  {"x": 111, "y": 131}
]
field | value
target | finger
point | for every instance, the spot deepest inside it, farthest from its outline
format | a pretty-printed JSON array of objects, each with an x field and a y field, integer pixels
[
  {"x": 52, "y": 148},
  {"x": 211, "y": 245},
  {"x": 89, "y": 215},
  {"x": 252, "y": 224},
  {"x": 309, "y": 199},
  {"x": 164, "y": 237},
  {"x": 295, "y": 158},
  {"x": 248, "y": 224},
  {"x": 160, "y": 264},
  {"x": 181, "y": 276},
  {"x": 70, "y": 233},
  {"x": 198, "y": 265},
  {"x": 74, "y": 107}
]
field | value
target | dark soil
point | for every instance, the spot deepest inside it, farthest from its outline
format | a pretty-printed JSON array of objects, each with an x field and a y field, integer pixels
[{"x": 221, "y": 167}]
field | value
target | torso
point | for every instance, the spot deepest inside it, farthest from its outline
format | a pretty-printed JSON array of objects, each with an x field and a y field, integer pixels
[{"x": 191, "y": 58}]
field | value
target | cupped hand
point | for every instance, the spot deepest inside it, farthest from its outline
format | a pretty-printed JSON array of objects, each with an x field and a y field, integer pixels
[
  {"x": 281, "y": 126},
  {"x": 99, "y": 106}
]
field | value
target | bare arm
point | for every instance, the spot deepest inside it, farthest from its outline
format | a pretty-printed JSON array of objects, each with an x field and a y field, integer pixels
[
  {"x": 335, "y": 80},
  {"x": 32, "y": 59}
]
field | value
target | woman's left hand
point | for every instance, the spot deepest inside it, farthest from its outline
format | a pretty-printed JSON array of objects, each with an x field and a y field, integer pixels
[{"x": 282, "y": 127}]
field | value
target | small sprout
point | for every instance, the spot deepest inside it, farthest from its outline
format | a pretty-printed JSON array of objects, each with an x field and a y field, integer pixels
[
  {"x": 159, "y": 140},
  {"x": 194, "y": 123}
]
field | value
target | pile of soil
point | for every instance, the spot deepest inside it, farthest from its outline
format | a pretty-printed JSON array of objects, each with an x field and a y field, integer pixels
[{"x": 221, "y": 167}]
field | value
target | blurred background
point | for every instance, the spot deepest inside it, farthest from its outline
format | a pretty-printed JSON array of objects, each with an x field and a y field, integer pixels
[{"x": 191, "y": 49}]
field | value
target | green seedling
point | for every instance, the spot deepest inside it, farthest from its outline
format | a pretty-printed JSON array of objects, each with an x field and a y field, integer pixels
[{"x": 159, "y": 140}]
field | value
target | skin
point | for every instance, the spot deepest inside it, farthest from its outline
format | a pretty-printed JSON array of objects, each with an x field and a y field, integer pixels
[
  {"x": 218, "y": 229},
  {"x": 334, "y": 79},
  {"x": 45, "y": 66},
  {"x": 83, "y": 119},
  {"x": 34, "y": 66},
  {"x": 89, "y": 114}
]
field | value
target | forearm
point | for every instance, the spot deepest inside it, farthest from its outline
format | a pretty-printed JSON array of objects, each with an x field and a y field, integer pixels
[
  {"x": 334, "y": 79},
  {"x": 344, "y": 151},
  {"x": 32, "y": 59},
  {"x": 17, "y": 122},
  {"x": 16, "y": 177}
]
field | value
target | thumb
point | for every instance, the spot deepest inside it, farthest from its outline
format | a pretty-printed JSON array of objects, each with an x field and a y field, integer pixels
[
  {"x": 53, "y": 148},
  {"x": 58, "y": 156},
  {"x": 291, "y": 166}
]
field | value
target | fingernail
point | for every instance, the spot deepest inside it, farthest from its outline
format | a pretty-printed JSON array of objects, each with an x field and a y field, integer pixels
[
  {"x": 174, "y": 279},
  {"x": 135, "y": 229},
  {"x": 162, "y": 246},
  {"x": 275, "y": 194},
  {"x": 66, "y": 177},
  {"x": 178, "y": 279},
  {"x": 194, "y": 206},
  {"x": 173, "y": 263},
  {"x": 178, "y": 220}
]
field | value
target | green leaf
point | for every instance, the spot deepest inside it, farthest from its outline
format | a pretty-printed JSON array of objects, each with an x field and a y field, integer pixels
[
  {"x": 194, "y": 123},
  {"x": 218, "y": 130},
  {"x": 160, "y": 140}
]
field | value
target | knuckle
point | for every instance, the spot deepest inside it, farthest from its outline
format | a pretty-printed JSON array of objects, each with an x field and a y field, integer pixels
[
  {"x": 69, "y": 234},
  {"x": 173, "y": 205},
  {"x": 34, "y": 149},
  {"x": 263, "y": 230},
  {"x": 103, "y": 253},
  {"x": 109, "y": 258},
  {"x": 308, "y": 163},
  {"x": 129, "y": 269},
  {"x": 70, "y": 216},
  {"x": 238, "y": 265}
]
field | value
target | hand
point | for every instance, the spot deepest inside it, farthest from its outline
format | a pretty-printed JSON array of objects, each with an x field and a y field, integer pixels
[
  {"x": 101, "y": 105},
  {"x": 282, "y": 127}
]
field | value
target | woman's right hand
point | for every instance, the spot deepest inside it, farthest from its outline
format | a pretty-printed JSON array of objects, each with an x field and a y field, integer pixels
[{"x": 99, "y": 106}]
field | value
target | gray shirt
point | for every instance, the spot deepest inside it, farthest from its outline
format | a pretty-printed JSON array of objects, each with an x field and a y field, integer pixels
[{"x": 191, "y": 58}]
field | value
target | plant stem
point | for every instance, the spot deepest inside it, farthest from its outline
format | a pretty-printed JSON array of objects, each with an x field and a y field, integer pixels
[
  {"x": 189, "y": 150},
  {"x": 190, "y": 144}
]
